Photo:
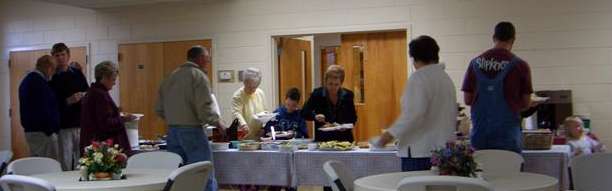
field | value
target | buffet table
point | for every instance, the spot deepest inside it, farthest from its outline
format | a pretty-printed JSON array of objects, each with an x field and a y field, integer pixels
[
  {"x": 233, "y": 167},
  {"x": 362, "y": 162},
  {"x": 306, "y": 167}
]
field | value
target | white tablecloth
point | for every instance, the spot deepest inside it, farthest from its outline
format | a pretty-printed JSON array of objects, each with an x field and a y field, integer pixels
[
  {"x": 362, "y": 162},
  {"x": 553, "y": 162},
  {"x": 308, "y": 164},
  {"x": 521, "y": 182},
  {"x": 137, "y": 180},
  {"x": 253, "y": 167},
  {"x": 306, "y": 167}
]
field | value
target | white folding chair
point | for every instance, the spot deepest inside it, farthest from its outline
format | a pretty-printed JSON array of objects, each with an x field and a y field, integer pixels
[
  {"x": 498, "y": 163},
  {"x": 154, "y": 160},
  {"x": 192, "y": 177},
  {"x": 592, "y": 172},
  {"x": 340, "y": 178},
  {"x": 19, "y": 183},
  {"x": 33, "y": 165},
  {"x": 446, "y": 183},
  {"x": 5, "y": 158}
]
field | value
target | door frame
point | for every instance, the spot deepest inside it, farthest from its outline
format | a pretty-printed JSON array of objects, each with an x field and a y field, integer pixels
[
  {"x": 87, "y": 46},
  {"x": 273, "y": 35}
]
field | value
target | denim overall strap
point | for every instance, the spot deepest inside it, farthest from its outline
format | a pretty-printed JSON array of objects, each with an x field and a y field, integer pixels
[{"x": 495, "y": 125}]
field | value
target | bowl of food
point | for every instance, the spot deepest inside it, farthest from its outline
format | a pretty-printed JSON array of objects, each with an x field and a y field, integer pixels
[
  {"x": 301, "y": 143},
  {"x": 234, "y": 144},
  {"x": 288, "y": 147},
  {"x": 270, "y": 146},
  {"x": 312, "y": 146},
  {"x": 249, "y": 146},
  {"x": 363, "y": 145},
  {"x": 220, "y": 146},
  {"x": 149, "y": 147}
]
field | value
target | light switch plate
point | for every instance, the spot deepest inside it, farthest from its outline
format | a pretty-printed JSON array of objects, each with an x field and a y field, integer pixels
[{"x": 226, "y": 75}]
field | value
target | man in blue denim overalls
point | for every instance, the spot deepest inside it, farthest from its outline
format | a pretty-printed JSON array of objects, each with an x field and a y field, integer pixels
[{"x": 497, "y": 86}]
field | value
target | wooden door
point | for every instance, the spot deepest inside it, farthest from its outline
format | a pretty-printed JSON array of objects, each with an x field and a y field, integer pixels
[
  {"x": 329, "y": 56},
  {"x": 175, "y": 54},
  {"x": 21, "y": 63},
  {"x": 79, "y": 54},
  {"x": 376, "y": 65},
  {"x": 142, "y": 68},
  {"x": 141, "y": 71},
  {"x": 295, "y": 69}
]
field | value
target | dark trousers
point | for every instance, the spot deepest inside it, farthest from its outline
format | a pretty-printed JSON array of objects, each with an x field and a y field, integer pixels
[{"x": 415, "y": 164}]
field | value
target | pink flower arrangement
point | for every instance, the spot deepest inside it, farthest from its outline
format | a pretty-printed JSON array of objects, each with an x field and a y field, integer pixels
[{"x": 103, "y": 157}]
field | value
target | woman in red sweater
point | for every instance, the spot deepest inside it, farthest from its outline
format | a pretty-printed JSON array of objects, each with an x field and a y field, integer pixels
[{"x": 100, "y": 116}]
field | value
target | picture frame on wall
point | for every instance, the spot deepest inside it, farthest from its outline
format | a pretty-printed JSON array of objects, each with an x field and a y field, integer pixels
[{"x": 226, "y": 76}]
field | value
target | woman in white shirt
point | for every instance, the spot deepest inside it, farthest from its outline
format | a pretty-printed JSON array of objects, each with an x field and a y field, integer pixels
[{"x": 429, "y": 108}]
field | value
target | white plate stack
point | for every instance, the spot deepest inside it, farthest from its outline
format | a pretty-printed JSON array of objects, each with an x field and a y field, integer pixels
[{"x": 131, "y": 129}]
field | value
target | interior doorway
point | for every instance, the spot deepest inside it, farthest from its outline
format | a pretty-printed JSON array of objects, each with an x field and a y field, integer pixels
[
  {"x": 376, "y": 70},
  {"x": 20, "y": 64},
  {"x": 295, "y": 68}
]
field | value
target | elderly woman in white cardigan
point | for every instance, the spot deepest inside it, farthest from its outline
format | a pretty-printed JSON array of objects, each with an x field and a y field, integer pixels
[
  {"x": 429, "y": 108},
  {"x": 247, "y": 101}
]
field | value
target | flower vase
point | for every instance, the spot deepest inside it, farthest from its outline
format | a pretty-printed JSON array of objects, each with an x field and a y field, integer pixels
[
  {"x": 434, "y": 170},
  {"x": 103, "y": 175},
  {"x": 84, "y": 173},
  {"x": 117, "y": 176},
  {"x": 480, "y": 176}
]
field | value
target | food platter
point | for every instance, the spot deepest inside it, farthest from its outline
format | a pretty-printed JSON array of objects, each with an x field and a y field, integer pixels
[
  {"x": 292, "y": 144},
  {"x": 336, "y": 127},
  {"x": 249, "y": 146},
  {"x": 336, "y": 146},
  {"x": 281, "y": 134}
]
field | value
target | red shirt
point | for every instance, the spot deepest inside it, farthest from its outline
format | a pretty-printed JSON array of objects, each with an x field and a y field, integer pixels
[
  {"x": 516, "y": 84},
  {"x": 100, "y": 119}
]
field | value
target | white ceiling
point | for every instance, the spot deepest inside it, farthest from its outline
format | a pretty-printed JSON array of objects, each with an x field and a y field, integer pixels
[{"x": 97, "y": 4}]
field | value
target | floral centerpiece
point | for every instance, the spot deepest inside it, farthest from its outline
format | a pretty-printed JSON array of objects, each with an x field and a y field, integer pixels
[
  {"x": 102, "y": 161},
  {"x": 456, "y": 159}
]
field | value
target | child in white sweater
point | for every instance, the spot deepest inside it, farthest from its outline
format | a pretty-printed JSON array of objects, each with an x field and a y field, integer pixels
[{"x": 578, "y": 140}]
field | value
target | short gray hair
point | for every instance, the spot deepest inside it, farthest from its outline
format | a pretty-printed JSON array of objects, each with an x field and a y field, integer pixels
[
  {"x": 335, "y": 72},
  {"x": 105, "y": 69},
  {"x": 252, "y": 74},
  {"x": 196, "y": 51}
]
